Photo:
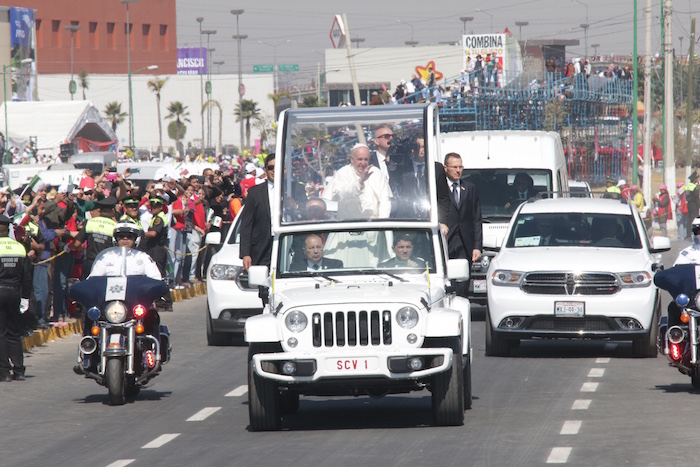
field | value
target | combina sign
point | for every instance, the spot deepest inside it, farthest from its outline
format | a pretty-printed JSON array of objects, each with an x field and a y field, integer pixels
[{"x": 337, "y": 32}]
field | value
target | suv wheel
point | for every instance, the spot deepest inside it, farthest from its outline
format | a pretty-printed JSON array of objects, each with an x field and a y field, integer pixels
[
  {"x": 496, "y": 346},
  {"x": 215, "y": 339},
  {"x": 646, "y": 346}
]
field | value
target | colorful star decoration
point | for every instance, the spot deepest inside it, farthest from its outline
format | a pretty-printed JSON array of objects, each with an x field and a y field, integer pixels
[{"x": 423, "y": 71}]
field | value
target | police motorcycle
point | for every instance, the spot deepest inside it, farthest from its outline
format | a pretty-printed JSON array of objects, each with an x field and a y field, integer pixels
[
  {"x": 680, "y": 331},
  {"x": 126, "y": 345}
]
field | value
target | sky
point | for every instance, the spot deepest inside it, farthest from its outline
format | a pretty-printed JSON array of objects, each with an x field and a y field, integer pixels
[{"x": 307, "y": 24}]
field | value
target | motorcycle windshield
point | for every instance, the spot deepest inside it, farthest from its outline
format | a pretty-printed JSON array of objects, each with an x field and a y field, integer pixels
[{"x": 679, "y": 279}]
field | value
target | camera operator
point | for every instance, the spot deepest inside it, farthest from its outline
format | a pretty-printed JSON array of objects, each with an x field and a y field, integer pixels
[{"x": 406, "y": 164}]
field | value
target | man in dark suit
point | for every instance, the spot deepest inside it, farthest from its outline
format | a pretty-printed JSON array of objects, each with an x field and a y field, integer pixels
[
  {"x": 313, "y": 257},
  {"x": 521, "y": 190},
  {"x": 256, "y": 221},
  {"x": 464, "y": 237}
]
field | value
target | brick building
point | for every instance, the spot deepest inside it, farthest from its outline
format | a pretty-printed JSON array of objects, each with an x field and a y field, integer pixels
[{"x": 99, "y": 45}]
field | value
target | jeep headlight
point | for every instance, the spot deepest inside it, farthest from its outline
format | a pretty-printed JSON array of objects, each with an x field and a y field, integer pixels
[
  {"x": 115, "y": 312},
  {"x": 225, "y": 272},
  {"x": 635, "y": 279},
  {"x": 296, "y": 321},
  {"x": 506, "y": 277},
  {"x": 407, "y": 317}
]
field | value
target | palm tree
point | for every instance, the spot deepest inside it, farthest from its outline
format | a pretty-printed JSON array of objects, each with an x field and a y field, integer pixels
[
  {"x": 84, "y": 83},
  {"x": 156, "y": 85},
  {"x": 215, "y": 103},
  {"x": 113, "y": 113},
  {"x": 276, "y": 98},
  {"x": 177, "y": 129},
  {"x": 247, "y": 110}
]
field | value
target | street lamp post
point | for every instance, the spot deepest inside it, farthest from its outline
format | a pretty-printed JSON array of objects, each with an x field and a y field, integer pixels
[
  {"x": 487, "y": 13},
  {"x": 238, "y": 37},
  {"x": 520, "y": 25},
  {"x": 128, "y": 69},
  {"x": 595, "y": 49},
  {"x": 465, "y": 20},
  {"x": 208, "y": 33},
  {"x": 132, "y": 139},
  {"x": 357, "y": 41},
  {"x": 585, "y": 25},
  {"x": 218, "y": 66},
  {"x": 412, "y": 42},
  {"x": 72, "y": 28},
  {"x": 274, "y": 48},
  {"x": 4, "y": 95},
  {"x": 200, "y": 19}
]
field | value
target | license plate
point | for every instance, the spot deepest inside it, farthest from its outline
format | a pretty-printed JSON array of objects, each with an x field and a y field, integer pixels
[
  {"x": 352, "y": 365},
  {"x": 569, "y": 309},
  {"x": 480, "y": 286}
]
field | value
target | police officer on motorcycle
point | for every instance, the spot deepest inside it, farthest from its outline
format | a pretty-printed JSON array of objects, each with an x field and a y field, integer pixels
[{"x": 688, "y": 255}]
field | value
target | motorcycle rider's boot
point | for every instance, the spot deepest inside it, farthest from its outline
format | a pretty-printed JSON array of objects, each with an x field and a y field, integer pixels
[
  {"x": 18, "y": 376},
  {"x": 5, "y": 378}
]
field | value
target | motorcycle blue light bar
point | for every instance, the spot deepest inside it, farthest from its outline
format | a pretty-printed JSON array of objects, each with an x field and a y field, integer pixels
[
  {"x": 682, "y": 300},
  {"x": 94, "y": 313}
]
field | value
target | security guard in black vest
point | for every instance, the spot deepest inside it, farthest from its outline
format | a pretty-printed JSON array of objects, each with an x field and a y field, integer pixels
[
  {"x": 15, "y": 288},
  {"x": 97, "y": 232},
  {"x": 157, "y": 240}
]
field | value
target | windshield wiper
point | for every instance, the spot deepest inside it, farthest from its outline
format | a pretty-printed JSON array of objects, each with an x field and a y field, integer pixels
[
  {"x": 398, "y": 278},
  {"x": 327, "y": 277}
]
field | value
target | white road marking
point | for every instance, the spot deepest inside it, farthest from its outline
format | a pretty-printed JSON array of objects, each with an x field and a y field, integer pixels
[
  {"x": 610, "y": 346},
  {"x": 203, "y": 414},
  {"x": 239, "y": 391},
  {"x": 603, "y": 360},
  {"x": 121, "y": 463},
  {"x": 581, "y": 404},
  {"x": 161, "y": 440},
  {"x": 570, "y": 427},
  {"x": 589, "y": 387},
  {"x": 559, "y": 456},
  {"x": 596, "y": 372}
]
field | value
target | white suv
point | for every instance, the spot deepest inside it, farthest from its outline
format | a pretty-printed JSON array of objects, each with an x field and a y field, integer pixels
[{"x": 575, "y": 268}]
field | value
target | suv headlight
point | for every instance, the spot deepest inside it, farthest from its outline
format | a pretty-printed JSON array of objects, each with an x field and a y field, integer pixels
[
  {"x": 407, "y": 317},
  {"x": 506, "y": 277},
  {"x": 225, "y": 272},
  {"x": 115, "y": 312},
  {"x": 635, "y": 279},
  {"x": 296, "y": 321}
]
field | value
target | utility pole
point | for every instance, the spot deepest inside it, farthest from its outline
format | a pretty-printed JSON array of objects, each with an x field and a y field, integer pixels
[
  {"x": 647, "y": 106},
  {"x": 689, "y": 101},
  {"x": 353, "y": 76},
  {"x": 635, "y": 99},
  {"x": 669, "y": 152}
]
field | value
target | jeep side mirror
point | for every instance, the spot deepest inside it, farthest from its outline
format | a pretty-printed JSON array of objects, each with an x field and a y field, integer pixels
[
  {"x": 213, "y": 238},
  {"x": 458, "y": 269},
  {"x": 257, "y": 275}
]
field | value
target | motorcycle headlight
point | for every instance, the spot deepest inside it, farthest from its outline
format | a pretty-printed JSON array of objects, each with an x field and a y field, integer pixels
[
  {"x": 506, "y": 277},
  {"x": 115, "y": 312},
  {"x": 635, "y": 279},
  {"x": 225, "y": 272},
  {"x": 697, "y": 301},
  {"x": 407, "y": 317},
  {"x": 296, "y": 321}
]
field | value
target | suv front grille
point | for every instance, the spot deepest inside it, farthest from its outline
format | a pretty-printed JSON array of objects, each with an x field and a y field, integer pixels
[
  {"x": 569, "y": 283},
  {"x": 550, "y": 323},
  {"x": 351, "y": 328}
]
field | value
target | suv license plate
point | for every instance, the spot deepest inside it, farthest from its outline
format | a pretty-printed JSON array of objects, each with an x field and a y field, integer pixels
[
  {"x": 480, "y": 286},
  {"x": 352, "y": 365},
  {"x": 569, "y": 309}
]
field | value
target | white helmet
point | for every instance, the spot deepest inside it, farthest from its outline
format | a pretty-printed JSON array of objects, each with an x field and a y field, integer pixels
[{"x": 128, "y": 228}]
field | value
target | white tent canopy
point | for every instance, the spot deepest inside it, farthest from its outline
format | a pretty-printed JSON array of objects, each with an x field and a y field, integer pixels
[{"x": 54, "y": 123}]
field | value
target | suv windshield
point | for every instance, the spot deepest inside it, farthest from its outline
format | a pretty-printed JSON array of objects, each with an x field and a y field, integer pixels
[
  {"x": 502, "y": 190},
  {"x": 574, "y": 229},
  {"x": 387, "y": 178},
  {"x": 353, "y": 251}
]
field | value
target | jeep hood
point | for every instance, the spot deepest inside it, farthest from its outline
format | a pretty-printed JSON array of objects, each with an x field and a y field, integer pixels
[{"x": 355, "y": 293}]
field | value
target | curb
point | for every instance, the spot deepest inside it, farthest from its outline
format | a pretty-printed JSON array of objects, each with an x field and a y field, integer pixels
[{"x": 75, "y": 326}]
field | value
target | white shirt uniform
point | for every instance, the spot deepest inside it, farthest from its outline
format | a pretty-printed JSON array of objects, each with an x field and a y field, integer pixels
[
  {"x": 138, "y": 263},
  {"x": 689, "y": 255},
  {"x": 354, "y": 202}
]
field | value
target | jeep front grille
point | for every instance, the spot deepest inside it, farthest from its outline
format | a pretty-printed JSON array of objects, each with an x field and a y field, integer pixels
[
  {"x": 351, "y": 328},
  {"x": 569, "y": 283}
]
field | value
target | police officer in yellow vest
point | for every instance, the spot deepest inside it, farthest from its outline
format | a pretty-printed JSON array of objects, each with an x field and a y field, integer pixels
[
  {"x": 612, "y": 191},
  {"x": 157, "y": 240},
  {"x": 15, "y": 288},
  {"x": 97, "y": 232},
  {"x": 131, "y": 214}
]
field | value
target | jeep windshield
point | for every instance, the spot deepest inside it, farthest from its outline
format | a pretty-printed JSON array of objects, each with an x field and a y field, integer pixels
[
  {"x": 342, "y": 252},
  {"x": 363, "y": 164},
  {"x": 502, "y": 190},
  {"x": 574, "y": 229}
]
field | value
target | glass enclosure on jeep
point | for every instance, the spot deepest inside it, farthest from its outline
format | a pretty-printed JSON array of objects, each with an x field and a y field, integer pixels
[
  {"x": 356, "y": 251},
  {"x": 502, "y": 190},
  {"x": 327, "y": 154}
]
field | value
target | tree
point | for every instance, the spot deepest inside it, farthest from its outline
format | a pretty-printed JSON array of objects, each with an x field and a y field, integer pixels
[
  {"x": 276, "y": 98},
  {"x": 113, "y": 113},
  {"x": 177, "y": 129},
  {"x": 156, "y": 85},
  {"x": 214, "y": 103},
  {"x": 84, "y": 83},
  {"x": 312, "y": 101},
  {"x": 247, "y": 110},
  {"x": 267, "y": 127}
]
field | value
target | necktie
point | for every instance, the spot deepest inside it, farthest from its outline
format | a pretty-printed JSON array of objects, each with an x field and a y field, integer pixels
[
  {"x": 420, "y": 170},
  {"x": 316, "y": 267},
  {"x": 455, "y": 192}
]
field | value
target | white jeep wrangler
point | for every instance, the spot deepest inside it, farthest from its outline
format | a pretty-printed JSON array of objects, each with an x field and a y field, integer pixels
[{"x": 359, "y": 304}]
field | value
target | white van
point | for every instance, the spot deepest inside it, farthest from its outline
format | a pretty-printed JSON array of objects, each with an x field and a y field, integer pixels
[
  {"x": 492, "y": 161},
  {"x": 95, "y": 161}
]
